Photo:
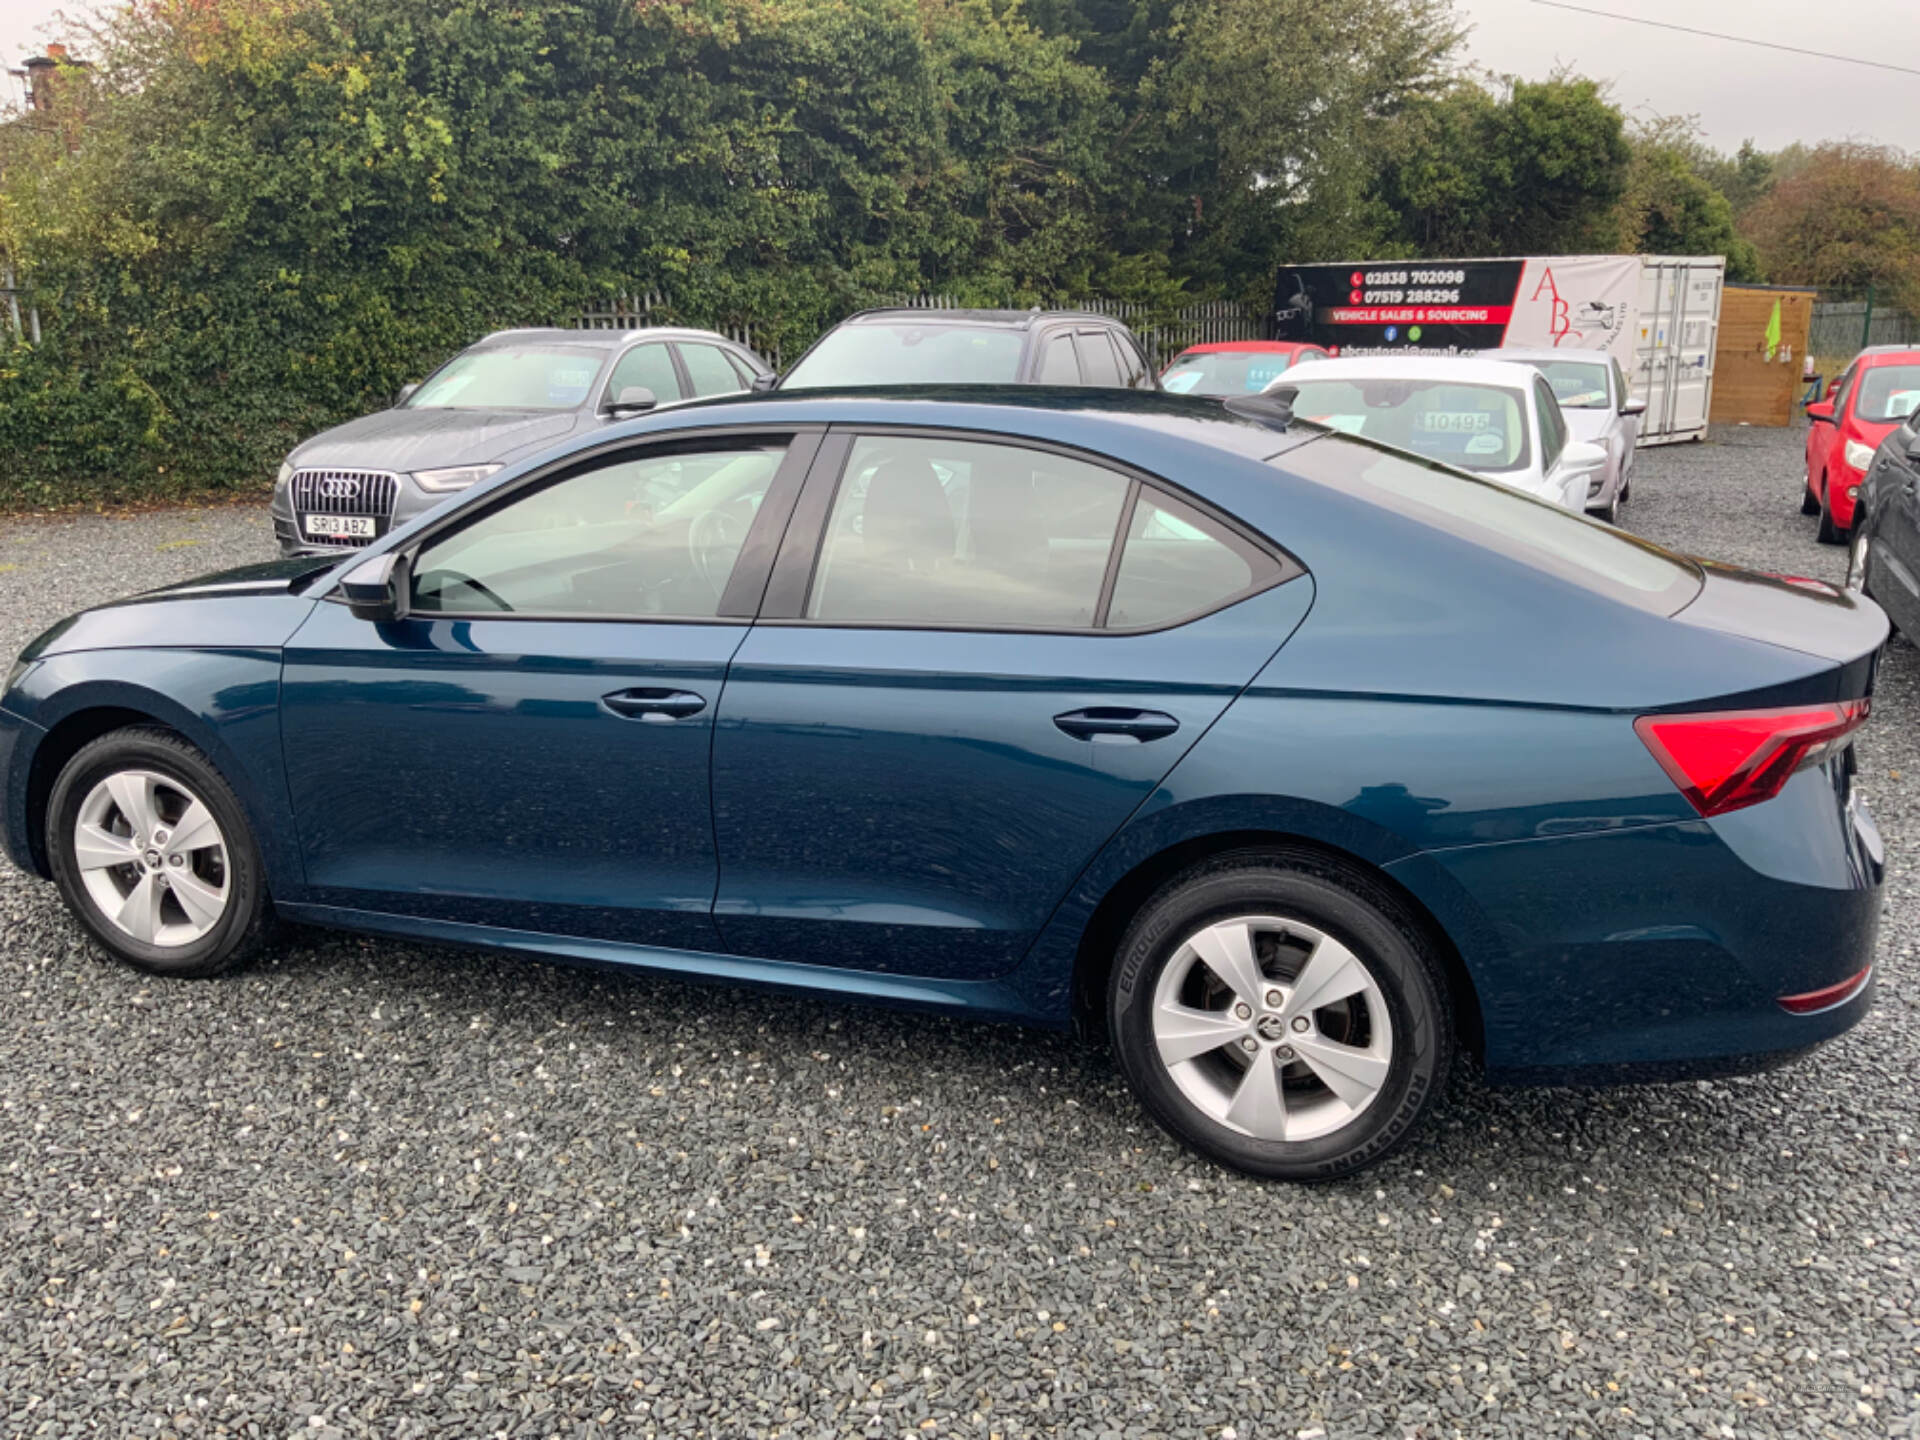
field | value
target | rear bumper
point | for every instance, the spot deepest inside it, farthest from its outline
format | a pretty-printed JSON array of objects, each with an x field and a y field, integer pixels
[{"x": 1670, "y": 954}]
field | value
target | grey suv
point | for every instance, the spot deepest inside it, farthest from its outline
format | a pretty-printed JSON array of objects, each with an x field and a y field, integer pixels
[
  {"x": 513, "y": 393},
  {"x": 974, "y": 347}
]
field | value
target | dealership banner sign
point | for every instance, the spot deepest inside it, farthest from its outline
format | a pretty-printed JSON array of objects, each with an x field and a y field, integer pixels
[{"x": 1575, "y": 302}]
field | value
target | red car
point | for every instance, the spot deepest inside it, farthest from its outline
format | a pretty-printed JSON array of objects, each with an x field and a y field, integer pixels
[
  {"x": 1234, "y": 367},
  {"x": 1878, "y": 391}
]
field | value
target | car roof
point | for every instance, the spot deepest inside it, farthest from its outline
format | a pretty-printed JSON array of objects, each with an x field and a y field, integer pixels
[
  {"x": 1006, "y": 319},
  {"x": 1412, "y": 365},
  {"x": 1527, "y": 354},
  {"x": 593, "y": 339},
  {"x": 1260, "y": 347},
  {"x": 1888, "y": 354}
]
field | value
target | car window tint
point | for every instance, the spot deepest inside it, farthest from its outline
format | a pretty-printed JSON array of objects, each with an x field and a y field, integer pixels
[
  {"x": 1477, "y": 427},
  {"x": 650, "y": 536},
  {"x": 1057, "y": 365},
  {"x": 650, "y": 368},
  {"x": 959, "y": 532},
  {"x": 1504, "y": 520},
  {"x": 1097, "y": 365},
  {"x": 1133, "y": 366},
  {"x": 1553, "y": 425},
  {"x": 1179, "y": 563},
  {"x": 707, "y": 367}
]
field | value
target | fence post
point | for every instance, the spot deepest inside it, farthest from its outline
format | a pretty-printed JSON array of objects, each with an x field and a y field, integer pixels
[{"x": 1866, "y": 325}]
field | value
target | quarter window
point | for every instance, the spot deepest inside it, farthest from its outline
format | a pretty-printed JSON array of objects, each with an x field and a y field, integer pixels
[
  {"x": 1179, "y": 563},
  {"x": 1553, "y": 428},
  {"x": 707, "y": 367},
  {"x": 648, "y": 367},
  {"x": 961, "y": 532},
  {"x": 653, "y": 536}
]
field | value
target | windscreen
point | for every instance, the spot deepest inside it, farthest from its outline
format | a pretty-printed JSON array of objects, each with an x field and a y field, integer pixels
[
  {"x": 1477, "y": 427},
  {"x": 1225, "y": 372},
  {"x": 557, "y": 378},
  {"x": 1888, "y": 393},
  {"x": 915, "y": 354},
  {"x": 1486, "y": 512},
  {"x": 1576, "y": 384}
]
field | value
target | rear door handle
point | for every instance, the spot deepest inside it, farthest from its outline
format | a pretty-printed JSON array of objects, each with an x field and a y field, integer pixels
[
  {"x": 656, "y": 706},
  {"x": 1112, "y": 724}
]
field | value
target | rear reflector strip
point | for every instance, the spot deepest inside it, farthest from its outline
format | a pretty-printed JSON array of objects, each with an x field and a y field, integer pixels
[{"x": 1815, "y": 1001}]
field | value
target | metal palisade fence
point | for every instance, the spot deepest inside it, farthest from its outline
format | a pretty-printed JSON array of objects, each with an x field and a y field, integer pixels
[
  {"x": 1163, "y": 333},
  {"x": 1843, "y": 324}
]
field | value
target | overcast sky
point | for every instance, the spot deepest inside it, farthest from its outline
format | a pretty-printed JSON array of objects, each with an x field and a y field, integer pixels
[{"x": 1737, "y": 91}]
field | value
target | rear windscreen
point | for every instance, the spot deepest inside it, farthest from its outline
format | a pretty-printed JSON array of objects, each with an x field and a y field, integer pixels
[{"x": 1485, "y": 512}]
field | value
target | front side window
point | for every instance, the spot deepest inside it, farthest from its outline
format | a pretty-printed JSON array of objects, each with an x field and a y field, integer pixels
[
  {"x": 511, "y": 378},
  {"x": 1225, "y": 372},
  {"x": 707, "y": 367},
  {"x": 1179, "y": 563},
  {"x": 652, "y": 536},
  {"x": 1477, "y": 427},
  {"x": 1888, "y": 394},
  {"x": 1619, "y": 382},
  {"x": 1576, "y": 384},
  {"x": 910, "y": 353},
  {"x": 965, "y": 532},
  {"x": 1134, "y": 373},
  {"x": 1553, "y": 426},
  {"x": 649, "y": 367}
]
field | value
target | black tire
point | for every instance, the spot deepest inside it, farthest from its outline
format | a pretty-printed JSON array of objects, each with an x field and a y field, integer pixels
[
  {"x": 1343, "y": 901},
  {"x": 1809, "y": 502},
  {"x": 247, "y": 920},
  {"x": 1830, "y": 533},
  {"x": 1609, "y": 512}
]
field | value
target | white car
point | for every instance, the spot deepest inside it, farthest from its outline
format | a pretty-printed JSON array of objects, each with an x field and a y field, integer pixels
[
  {"x": 1593, "y": 395},
  {"x": 1496, "y": 419}
]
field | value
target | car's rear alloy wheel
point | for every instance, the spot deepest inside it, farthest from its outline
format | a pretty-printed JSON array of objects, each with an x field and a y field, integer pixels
[
  {"x": 1857, "y": 563},
  {"x": 151, "y": 851},
  {"x": 1281, "y": 1015}
]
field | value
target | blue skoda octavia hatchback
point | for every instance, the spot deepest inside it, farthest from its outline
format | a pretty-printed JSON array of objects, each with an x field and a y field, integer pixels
[{"x": 1293, "y": 764}]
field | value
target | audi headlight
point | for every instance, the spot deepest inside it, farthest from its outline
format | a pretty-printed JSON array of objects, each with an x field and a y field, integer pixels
[
  {"x": 286, "y": 473},
  {"x": 1859, "y": 456},
  {"x": 456, "y": 477}
]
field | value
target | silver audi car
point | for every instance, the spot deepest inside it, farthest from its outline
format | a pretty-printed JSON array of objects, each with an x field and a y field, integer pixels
[{"x": 511, "y": 394}]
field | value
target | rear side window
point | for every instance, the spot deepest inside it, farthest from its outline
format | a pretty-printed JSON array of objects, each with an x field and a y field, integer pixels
[
  {"x": 1097, "y": 364},
  {"x": 707, "y": 367},
  {"x": 964, "y": 532},
  {"x": 650, "y": 368},
  {"x": 1057, "y": 365},
  {"x": 1487, "y": 513},
  {"x": 1179, "y": 563}
]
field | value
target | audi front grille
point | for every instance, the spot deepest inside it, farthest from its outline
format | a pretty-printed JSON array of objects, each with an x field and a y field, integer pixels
[{"x": 344, "y": 492}]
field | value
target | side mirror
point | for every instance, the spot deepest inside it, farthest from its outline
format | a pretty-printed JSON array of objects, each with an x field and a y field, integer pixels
[
  {"x": 632, "y": 400},
  {"x": 406, "y": 394},
  {"x": 1633, "y": 407},
  {"x": 1820, "y": 410},
  {"x": 376, "y": 588},
  {"x": 763, "y": 383}
]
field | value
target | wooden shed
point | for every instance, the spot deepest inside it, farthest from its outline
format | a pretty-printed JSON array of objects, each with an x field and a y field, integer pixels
[{"x": 1759, "y": 354}]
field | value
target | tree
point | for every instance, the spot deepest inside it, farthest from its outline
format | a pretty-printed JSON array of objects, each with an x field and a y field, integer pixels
[
  {"x": 1536, "y": 169},
  {"x": 1672, "y": 205},
  {"x": 1848, "y": 217}
]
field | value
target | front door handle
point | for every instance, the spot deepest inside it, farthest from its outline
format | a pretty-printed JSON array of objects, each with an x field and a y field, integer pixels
[
  {"x": 1112, "y": 724},
  {"x": 657, "y": 706}
]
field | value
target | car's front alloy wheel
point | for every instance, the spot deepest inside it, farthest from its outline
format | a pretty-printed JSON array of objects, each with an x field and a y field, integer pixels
[
  {"x": 1281, "y": 1015},
  {"x": 1857, "y": 562},
  {"x": 152, "y": 853}
]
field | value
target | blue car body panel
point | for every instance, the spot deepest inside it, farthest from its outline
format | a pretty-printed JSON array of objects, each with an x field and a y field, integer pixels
[{"x": 892, "y": 814}]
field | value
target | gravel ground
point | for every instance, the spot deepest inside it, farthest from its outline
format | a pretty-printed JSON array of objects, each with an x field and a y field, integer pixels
[{"x": 378, "y": 1189}]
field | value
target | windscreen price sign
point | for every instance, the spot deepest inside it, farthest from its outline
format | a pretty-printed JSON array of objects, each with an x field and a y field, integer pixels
[{"x": 1576, "y": 301}]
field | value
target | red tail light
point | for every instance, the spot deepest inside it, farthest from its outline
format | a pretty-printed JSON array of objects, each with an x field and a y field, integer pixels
[{"x": 1728, "y": 761}]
